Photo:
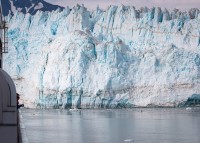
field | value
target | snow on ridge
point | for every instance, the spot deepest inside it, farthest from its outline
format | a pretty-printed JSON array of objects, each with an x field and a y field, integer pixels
[
  {"x": 121, "y": 57},
  {"x": 39, "y": 6},
  {"x": 10, "y": 7}
]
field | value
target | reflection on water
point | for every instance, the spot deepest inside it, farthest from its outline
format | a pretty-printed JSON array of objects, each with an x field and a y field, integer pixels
[{"x": 144, "y": 125}]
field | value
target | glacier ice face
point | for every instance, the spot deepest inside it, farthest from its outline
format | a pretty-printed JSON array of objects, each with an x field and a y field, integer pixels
[{"x": 120, "y": 57}]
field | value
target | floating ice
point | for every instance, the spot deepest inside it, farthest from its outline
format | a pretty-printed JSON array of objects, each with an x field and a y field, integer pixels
[
  {"x": 188, "y": 108},
  {"x": 129, "y": 140},
  {"x": 74, "y": 109}
]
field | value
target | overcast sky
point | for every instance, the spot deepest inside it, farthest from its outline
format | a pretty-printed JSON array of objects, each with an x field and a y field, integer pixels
[{"x": 169, "y": 4}]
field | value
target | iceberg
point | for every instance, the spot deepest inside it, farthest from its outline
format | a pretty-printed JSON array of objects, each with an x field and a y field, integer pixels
[{"x": 113, "y": 58}]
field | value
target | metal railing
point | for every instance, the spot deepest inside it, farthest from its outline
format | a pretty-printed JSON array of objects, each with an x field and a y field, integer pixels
[{"x": 4, "y": 37}]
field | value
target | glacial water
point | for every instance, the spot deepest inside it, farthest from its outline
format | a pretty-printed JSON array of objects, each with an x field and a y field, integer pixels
[{"x": 138, "y": 125}]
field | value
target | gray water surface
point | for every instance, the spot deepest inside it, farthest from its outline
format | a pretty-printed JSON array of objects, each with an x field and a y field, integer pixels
[{"x": 145, "y": 125}]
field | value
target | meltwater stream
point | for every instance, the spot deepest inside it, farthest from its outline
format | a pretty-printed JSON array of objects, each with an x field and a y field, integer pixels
[{"x": 138, "y": 125}]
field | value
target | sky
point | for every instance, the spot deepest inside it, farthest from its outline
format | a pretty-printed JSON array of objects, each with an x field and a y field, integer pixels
[{"x": 183, "y": 5}]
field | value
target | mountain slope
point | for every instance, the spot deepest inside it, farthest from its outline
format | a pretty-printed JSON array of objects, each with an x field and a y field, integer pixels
[{"x": 27, "y": 6}]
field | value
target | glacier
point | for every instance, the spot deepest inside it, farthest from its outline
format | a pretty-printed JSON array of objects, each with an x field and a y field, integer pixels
[{"x": 113, "y": 58}]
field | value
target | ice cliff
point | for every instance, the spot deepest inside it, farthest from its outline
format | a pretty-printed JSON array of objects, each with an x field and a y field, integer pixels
[{"x": 120, "y": 57}]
